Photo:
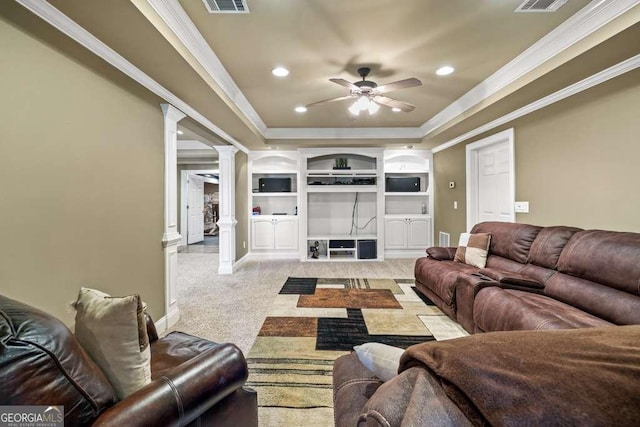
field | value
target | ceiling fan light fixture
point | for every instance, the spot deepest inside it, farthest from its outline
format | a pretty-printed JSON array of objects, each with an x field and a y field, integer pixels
[
  {"x": 445, "y": 70},
  {"x": 363, "y": 103},
  {"x": 396, "y": 110},
  {"x": 373, "y": 108},
  {"x": 355, "y": 109},
  {"x": 280, "y": 72},
  {"x": 301, "y": 109}
]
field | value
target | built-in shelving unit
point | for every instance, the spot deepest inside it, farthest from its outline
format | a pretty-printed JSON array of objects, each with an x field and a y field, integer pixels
[
  {"x": 408, "y": 202},
  {"x": 342, "y": 205},
  {"x": 273, "y": 199}
]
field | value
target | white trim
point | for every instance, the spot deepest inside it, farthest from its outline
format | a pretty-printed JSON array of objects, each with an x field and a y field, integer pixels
[
  {"x": 594, "y": 80},
  {"x": 405, "y": 253},
  {"x": 472, "y": 171},
  {"x": 166, "y": 322},
  {"x": 274, "y": 255},
  {"x": 175, "y": 17},
  {"x": 239, "y": 263},
  {"x": 343, "y": 133},
  {"x": 585, "y": 22},
  {"x": 66, "y": 25},
  {"x": 227, "y": 209}
]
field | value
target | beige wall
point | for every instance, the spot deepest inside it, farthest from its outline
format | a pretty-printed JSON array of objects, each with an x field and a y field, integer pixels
[
  {"x": 242, "y": 206},
  {"x": 81, "y": 180},
  {"x": 576, "y": 163}
]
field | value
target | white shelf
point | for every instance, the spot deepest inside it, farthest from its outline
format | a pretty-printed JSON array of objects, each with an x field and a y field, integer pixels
[
  {"x": 279, "y": 194},
  {"x": 408, "y": 215},
  {"x": 342, "y": 172},
  {"x": 274, "y": 171},
  {"x": 407, "y": 193},
  {"x": 342, "y": 188},
  {"x": 344, "y": 237}
]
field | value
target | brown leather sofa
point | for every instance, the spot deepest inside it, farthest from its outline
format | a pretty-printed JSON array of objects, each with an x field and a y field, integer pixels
[
  {"x": 194, "y": 381},
  {"x": 538, "y": 278},
  {"x": 554, "y": 297}
]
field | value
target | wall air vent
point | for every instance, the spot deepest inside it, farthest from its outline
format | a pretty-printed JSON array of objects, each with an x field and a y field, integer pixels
[
  {"x": 540, "y": 5},
  {"x": 226, "y": 6}
]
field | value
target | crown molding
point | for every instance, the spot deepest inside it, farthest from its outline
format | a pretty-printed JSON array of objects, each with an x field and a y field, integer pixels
[
  {"x": 583, "y": 23},
  {"x": 343, "y": 133},
  {"x": 175, "y": 17},
  {"x": 66, "y": 25},
  {"x": 594, "y": 80}
]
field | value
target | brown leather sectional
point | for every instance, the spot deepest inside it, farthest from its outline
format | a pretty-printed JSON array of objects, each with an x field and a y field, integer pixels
[
  {"x": 550, "y": 300},
  {"x": 538, "y": 278},
  {"x": 194, "y": 381}
]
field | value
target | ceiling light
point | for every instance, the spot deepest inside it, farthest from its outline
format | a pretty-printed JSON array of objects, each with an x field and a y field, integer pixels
[
  {"x": 396, "y": 110},
  {"x": 301, "y": 109},
  {"x": 180, "y": 132},
  {"x": 409, "y": 147},
  {"x": 373, "y": 108},
  {"x": 273, "y": 147},
  {"x": 445, "y": 71},
  {"x": 355, "y": 109},
  {"x": 280, "y": 72}
]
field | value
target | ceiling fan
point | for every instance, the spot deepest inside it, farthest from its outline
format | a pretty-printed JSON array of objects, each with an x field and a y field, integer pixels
[{"x": 370, "y": 95}]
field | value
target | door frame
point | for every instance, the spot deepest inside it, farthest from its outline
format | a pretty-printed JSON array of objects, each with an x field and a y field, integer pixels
[
  {"x": 184, "y": 174},
  {"x": 472, "y": 166}
]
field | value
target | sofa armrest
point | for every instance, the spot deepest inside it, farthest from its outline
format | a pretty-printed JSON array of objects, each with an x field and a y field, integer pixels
[
  {"x": 441, "y": 253},
  {"x": 467, "y": 287},
  {"x": 184, "y": 393}
]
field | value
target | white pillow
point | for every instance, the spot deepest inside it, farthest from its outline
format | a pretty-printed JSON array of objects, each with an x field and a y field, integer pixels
[
  {"x": 112, "y": 330},
  {"x": 381, "y": 359}
]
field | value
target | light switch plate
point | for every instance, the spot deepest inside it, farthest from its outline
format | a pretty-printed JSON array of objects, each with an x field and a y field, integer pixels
[{"x": 522, "y": 207}]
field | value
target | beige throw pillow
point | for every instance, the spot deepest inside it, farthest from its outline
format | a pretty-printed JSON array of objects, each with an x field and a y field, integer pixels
[
  {"x": 381, "y": 359},
  {"x": 113, "y": 332},
  {"x": 473, "y": 249}
]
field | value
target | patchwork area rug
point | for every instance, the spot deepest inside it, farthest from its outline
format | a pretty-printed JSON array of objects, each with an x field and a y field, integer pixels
[{"x": 314, "y": 321}]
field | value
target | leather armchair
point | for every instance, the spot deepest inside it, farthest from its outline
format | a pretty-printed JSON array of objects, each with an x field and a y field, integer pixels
[{"x": 194, "y": 381}]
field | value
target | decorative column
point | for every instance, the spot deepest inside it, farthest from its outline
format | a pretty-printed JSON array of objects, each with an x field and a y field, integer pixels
[
  {"x": 170, "y": 238},
  {"x": 227, "y": 207}
]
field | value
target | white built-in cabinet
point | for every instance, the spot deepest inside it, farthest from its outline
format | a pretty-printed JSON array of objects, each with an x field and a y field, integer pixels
[
  {"x": 341, "y": 212},
  {"x": 273, "y": 222}
]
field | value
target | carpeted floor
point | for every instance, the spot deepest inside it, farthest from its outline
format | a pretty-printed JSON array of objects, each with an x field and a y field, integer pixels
[
  {"x": 233, "y": 308},
  {"x": 314, "y": 321}
]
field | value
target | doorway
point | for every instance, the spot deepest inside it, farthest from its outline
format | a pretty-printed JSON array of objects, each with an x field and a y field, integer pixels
[
  {"x": 199, "y": 208},
  {"x": 491, "y": 179}
]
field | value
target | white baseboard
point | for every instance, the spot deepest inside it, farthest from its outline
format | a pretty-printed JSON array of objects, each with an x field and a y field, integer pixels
[
  {"x": 404, "y": 253},
  {"x": 274, "y": 255},
  {"x": 166, "y": 322}
]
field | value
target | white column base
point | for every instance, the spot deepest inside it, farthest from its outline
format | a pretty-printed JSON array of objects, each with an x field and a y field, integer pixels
[{"x": 227, "y": 245}]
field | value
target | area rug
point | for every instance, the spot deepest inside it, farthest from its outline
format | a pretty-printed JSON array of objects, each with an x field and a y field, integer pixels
[{"x": 314, "y": 321}]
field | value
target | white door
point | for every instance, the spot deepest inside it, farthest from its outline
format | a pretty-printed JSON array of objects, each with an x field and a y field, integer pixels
[
  {"x": 395, "y": 233},
  {"x": 491, "y": 180},
  {"x": 418, "y": 233},
  {"x": 262, "y": 232},
  {"x": 286, "y": 233},
  {"x": 195, "y": 209}
]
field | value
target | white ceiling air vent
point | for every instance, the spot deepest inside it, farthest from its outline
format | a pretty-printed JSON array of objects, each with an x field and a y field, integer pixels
[
  {"x": 540, "y": 5},
  {"x": 226, "y": 6}
]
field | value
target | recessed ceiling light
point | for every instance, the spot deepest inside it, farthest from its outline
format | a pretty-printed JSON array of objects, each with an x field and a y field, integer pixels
[
  {"x": 301, "y": 109},
  {"x": 396, "y": 110},
  {"x": 280, "y": 72},
  {"x": 180, "y": 132},
  {"x": 445, "y": 71}
]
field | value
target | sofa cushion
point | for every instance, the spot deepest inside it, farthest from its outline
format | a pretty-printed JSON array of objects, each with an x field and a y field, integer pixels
[
  {"x": 607, "y": 257},
  {"x": 473, "y": 249},
  {"x": 548, "y": 245},
  {"x": 511, "y": 278},
  {"x": 496, "y": 309},
  {"x": 113, "y": 331},
  {"x": 539, "y": 378},
  {"x": 176, "y": 348},
  {"x": 353, "y": 385},
  {"x": 509, "y": 240},
  {"x": 608, "y": 303},
  {"x": 442, "y": 253},
  {"x": 41, "y": 363}
]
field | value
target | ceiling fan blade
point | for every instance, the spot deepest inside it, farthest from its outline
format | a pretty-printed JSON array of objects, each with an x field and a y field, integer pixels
[
  {"x": 394, "y": 103},
  {"x": 400, "y": 84},
  {"x": 340, "y": 98},
  {"x": 345, "y": 83}
]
